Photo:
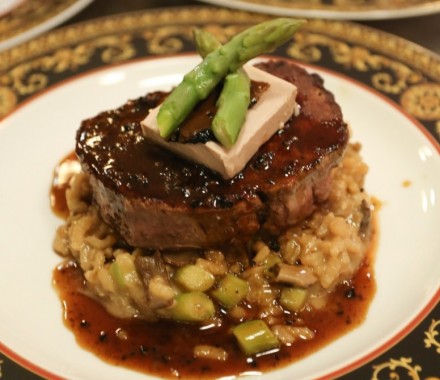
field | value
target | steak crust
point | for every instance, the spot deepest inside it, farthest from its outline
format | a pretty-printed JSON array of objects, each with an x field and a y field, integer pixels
[{"x": 156, "y": 200}]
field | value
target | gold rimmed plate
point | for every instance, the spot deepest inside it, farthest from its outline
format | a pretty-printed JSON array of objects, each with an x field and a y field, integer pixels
[
  {"x": 21, "y": 20},
  {"x": 336, "y": 9},
  {"x": 389, "y": 91}
]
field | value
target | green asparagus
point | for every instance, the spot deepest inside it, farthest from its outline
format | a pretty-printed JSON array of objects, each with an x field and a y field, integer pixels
[
  {"x": 200, "y": 81},
  {"x": 194, "y": 278},
  {"x": 192, "y": 307},
  {"x": 255, "y": 337},
  {"x": 234, "y": 99},
  {"x": 232, "y": 107},
  {"x": 293, "y": 299},
  {"x": 123, "y": 271},
  {"x": 231, "y": 290},
  {"x": 205, "y": 42}
]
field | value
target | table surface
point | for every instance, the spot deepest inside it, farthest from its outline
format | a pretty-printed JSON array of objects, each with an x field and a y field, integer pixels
[{"x": 424, "y": 31}]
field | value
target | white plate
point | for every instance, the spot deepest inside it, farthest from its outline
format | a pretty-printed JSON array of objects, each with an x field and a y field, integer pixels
[
  {"x": 343, "y": 10},
  {"x": 36, "y": 136},
  {"x": 7, "y": 5},
  {"x": 30, "y": 23}
]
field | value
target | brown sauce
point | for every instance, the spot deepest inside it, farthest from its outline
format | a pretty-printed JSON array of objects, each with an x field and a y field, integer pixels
[
  {"x": 135, "y": 167},
  {"x": 63, "y": 172},
  {"x": 166, "y": 348}
]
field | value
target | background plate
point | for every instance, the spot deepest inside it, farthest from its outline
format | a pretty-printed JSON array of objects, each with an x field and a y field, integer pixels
[
  {"x": 336, "y": 9},
  {"x": 25, "y": 19}
]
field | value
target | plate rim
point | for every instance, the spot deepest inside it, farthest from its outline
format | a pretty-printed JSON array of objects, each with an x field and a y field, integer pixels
[
  {"x": 30, "y": 47},
  {"x": 43, "y": 25},
  {"x": 346, "y": 368}
]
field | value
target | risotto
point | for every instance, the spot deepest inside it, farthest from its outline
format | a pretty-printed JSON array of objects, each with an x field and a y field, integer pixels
[{"x": 266, "y": 285}]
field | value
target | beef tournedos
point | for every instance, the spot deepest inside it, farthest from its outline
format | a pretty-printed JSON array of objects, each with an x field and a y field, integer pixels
[{"x": 156, "y": 200}]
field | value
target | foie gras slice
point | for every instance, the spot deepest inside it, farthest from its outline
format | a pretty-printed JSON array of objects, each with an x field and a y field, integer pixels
[{"x": 274, "y": 107}]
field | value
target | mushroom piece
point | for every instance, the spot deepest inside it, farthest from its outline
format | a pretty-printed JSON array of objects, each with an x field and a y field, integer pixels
[
  {"x": 156, "y": 279},
  {"x": 180, "y": 258},
  {"x": 297, "y": 275},
  {"x": 366, "y": 218}
]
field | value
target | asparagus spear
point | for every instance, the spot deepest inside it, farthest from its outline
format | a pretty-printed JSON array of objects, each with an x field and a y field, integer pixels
[
  {"x": 199, "y": 82},
  {"x": 232, "y": 107},
  {"x": 234, "y": 99},
  {"x": 205, "y": 42}
]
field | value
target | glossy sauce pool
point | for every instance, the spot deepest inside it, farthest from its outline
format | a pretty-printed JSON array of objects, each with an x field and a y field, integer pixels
[{"x": 165, "y": 349}]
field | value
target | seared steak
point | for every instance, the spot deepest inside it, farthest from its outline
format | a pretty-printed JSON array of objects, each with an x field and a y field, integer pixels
[{"x": 156, "y": 200}]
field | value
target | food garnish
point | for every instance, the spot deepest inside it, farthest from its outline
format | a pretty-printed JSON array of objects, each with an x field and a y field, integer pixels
[
  {"x": 239, "y": 129},
  {"x": 210, "y": 264},
  {"x": 276, "y": 105},
  {"x": 199, "y": 82},
  {"x": 233, "y": 103}
]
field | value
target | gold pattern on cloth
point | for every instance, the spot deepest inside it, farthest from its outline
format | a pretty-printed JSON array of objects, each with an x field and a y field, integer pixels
[
  {"x": 169, "y": 39},
  {"x": 28, "y": 14},
  {"x": 25, "y": 80},
  {"x": 393, "y": 368},
  {"x": 399, "y": 370},
  {"x": 423, "y": 101},
  {"x": 307, "y": 47},
  {"x": 371, "y": 39},
  {"x": 8, "y": 99},
  {"x": 433, "y": 335},
  {"x": 33, "y": 76},
  {"x": 393, "y": 66},
  {"x": 396, "y": 368}
]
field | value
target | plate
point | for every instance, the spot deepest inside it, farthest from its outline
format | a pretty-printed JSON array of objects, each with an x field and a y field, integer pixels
[
  {"x": 28, "y": 164},
  {"x": 21, "y": 20},
  {"x": 7, "y": 5},
  {"x": 390, "y": 100},
  {"x": 336, "y": 9}
]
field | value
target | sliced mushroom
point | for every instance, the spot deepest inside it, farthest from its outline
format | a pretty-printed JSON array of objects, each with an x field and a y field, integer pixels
[
  {"x": 366, "y": 218},
  {"x": 181, "y": 258},
  {"x": 156, "y": 279},
  {"x": 297, "y": 275}
]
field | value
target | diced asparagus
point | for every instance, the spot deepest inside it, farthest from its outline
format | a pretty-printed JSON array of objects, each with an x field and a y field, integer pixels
[
  {"x": 124, "y": 271},
  {"x": 233, "y": 103},
  {"x": 293, "y": 299},
  {"x": 192, "y": 307},
  {"x": 127, "y": 279},
  {"x": 199, "y": 82},
  {"x": 231, "y": 290},
  {"x": 193, "y": 277},
  {"x": 255, "y": 337}
]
